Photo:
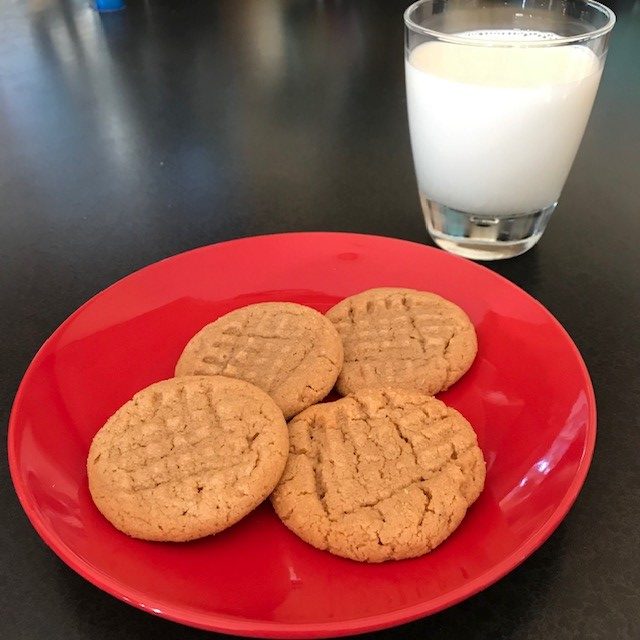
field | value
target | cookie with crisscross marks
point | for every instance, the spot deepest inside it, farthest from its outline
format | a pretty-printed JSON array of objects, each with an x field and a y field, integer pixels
[
  {"x": 187, "y": 457},
  {"x": 382, "y": 474},
  {"x": 290, "y": 351},
  {"x": 402, "y": 338}
]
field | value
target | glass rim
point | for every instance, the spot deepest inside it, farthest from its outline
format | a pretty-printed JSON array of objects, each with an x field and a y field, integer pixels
[{"x": 561, "y": 40}]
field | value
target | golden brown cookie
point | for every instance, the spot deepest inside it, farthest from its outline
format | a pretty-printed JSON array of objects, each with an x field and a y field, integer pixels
[
  {"x": 402, "y": 338},
  {"x": 290, "y": 351},
  {"x": 382, "y": 474},
  {"x": 187, "y": 457}
]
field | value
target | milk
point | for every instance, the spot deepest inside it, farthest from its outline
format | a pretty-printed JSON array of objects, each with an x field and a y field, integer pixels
[{"x": 494, "y": 130}]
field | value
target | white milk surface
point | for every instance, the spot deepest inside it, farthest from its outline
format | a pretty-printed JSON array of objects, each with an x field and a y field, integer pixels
[{"x": 494, "y": 130}]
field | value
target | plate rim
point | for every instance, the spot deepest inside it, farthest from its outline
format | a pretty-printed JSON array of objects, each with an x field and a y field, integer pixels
[{"x": 223, "y": 623}]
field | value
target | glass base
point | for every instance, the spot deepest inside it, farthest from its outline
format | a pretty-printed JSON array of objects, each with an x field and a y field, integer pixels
[{"x": 484, "y": 237}]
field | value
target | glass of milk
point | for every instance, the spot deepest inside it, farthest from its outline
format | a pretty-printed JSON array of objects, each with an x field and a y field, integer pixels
[{"x": 498, "y": 93}]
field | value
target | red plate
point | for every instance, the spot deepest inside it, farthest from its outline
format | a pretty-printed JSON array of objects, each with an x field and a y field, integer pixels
[{"x": 528, "y": 396}]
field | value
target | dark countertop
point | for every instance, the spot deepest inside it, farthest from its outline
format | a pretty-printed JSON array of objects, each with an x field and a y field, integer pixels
[{"x": 130, "y": 137}]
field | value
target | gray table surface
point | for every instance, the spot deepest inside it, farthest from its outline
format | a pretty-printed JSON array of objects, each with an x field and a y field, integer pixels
[{"x": 129, "y": 137}]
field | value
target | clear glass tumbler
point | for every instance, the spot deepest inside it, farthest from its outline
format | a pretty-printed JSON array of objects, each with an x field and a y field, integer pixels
[{"x": 498, "y": 94}]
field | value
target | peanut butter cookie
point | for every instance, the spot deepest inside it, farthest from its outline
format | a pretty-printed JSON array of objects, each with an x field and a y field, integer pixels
[
  {"x": 290, "y": 351},
  {"x": 382, "y": 474},
  {"x": 402, "y": 338},
  {"x": 187, "y": 457}
]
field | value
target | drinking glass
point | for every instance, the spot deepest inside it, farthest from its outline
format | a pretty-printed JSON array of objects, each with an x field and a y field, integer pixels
[{"x": 498, "y": 94}]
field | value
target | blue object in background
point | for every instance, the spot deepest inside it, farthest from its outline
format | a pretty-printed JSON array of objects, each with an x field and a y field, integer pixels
[{"x": 109, "y": 5}]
